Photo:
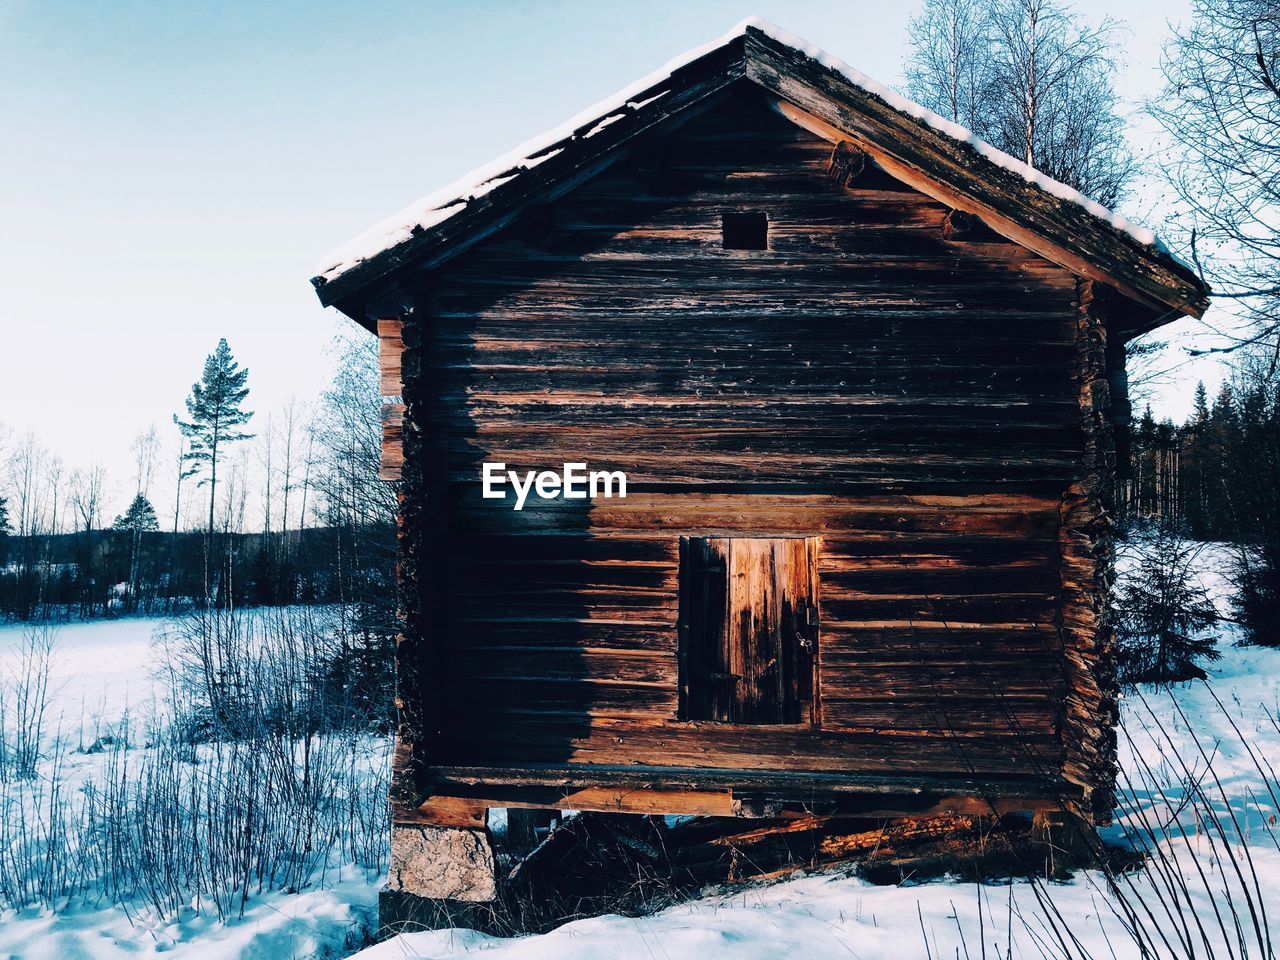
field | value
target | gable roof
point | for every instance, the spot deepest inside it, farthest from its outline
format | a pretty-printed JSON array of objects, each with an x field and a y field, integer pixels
[{"x": 816, "y": 91}]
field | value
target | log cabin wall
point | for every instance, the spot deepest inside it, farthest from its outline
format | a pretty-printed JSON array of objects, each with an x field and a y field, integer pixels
[{"x": 916, "y": 399}]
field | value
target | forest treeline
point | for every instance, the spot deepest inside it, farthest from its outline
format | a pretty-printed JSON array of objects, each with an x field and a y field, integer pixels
[
  {"x": 306, "y": 480},
  {"x": 118, "y": 571},
  {"x": 1214, "y": 476}
]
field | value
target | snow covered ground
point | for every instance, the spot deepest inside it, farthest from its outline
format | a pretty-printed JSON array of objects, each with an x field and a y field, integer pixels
[
  {"x": 1168, "y": 742},
  {"x": 99, "y": 668},
  {"x": 843, "y": 916},
  {"x": 331, "y": 922}
]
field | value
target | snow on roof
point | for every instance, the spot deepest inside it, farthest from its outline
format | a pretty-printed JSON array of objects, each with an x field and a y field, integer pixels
[{"x": 439, "y": 206}]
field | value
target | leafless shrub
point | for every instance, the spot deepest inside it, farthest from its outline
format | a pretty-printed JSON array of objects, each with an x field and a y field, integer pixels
[
  {"x": 214, "y": 827},
  {"x": 24, "y": 703},
  {"x": 247, "y": 783}
]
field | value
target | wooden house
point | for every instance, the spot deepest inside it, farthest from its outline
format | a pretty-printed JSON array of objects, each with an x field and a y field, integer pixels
[{"x": 865, "y": 377}]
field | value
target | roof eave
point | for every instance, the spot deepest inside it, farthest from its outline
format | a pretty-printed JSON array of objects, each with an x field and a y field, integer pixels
[
  {"x": 681, "y": 94},
  {"x": 1058, "y": 229}
]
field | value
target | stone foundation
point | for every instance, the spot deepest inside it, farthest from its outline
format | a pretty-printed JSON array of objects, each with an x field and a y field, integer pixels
[{"x": 443, "y": 863}]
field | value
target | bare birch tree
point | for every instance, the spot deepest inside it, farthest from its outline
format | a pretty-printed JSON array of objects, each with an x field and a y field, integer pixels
[
  {"x": 145, "y": 448},
  {"x": 87, "y": 494},
  {"x": 1221, "y": 104},
  {"x": 949, "y": 69},
  {"x": 1031, "y": 77},
  {"x": 25, "y": 469}
]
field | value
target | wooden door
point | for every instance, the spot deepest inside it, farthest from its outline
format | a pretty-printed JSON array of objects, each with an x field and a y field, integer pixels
[{"x": 748, "y": 629}]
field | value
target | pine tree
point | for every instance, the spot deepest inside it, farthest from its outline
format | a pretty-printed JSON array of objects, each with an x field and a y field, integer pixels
[
  {"x": 1144, "y": 475},
  {"x": 1251, "y": 505},
  {"x": 1196, "y": 467},
  {"x": 1222, "y": 438},
  {"x": 139, "y": 518},
  {"x": 216, "y": 416},
  {"x": 1201, "y": 412},
  {"x": 1161, "y": 613}
]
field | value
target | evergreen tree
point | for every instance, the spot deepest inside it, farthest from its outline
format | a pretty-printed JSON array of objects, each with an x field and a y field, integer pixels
[
  {"x": 139, "y": 518},
  {"x": 1144, "y": 474},
  {"x": 1161, "y": 613},
  {"x": 1221, "y": 440},
  {"x": 1251, "y": 502},
  {"x": 1201, "y": 412},
  {"x": 216, "y": 416},
  {"x": 1196, "y": 467}
]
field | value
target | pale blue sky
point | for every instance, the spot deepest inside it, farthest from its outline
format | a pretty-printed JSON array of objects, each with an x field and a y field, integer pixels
[{"x": 171, "y": 171}]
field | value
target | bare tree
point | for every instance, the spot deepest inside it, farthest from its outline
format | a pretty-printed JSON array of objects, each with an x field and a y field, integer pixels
[
  {"x": 1221, "y": 104},
  {"x": 1031, "y": 77},
  {"x": 236, "y": 495},
  {"x": 145, "y": 448},
  {"x": 25, "y": 468},
  {"x": 293, "y": 416},
  {"x": 86, "y": 496},
  {"x": 184, "y": 472},
  {"x": 949, "y": 69},
  {"x": 352, "y": 499},
  {"x": 54, "y": 471},
  {"x": 266, "y": 460},
  {"x": 349, "y": 435},
  {"x": 86, "y": 500}
]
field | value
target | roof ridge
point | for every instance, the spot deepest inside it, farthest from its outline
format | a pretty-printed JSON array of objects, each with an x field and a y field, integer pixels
[{"x": 439, "y": 206}]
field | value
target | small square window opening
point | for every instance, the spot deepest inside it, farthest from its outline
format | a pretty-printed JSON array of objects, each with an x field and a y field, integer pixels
[{"x": 745, "y": 230}]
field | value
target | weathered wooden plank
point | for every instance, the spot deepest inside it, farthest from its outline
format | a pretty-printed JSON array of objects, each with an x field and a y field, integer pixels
[
  {"x": 564, "y": 664},
  {"x": 390, "y": 350},
  {"x": 480, "y": 579},
  {"x": 487, "y": 704},
  {"x": 904, "y": 641},
  {"x": 638, "y": 799},
  {"x": 1091, "y": 707},
  {"x": 994, "y": 515},
  {"x": 763, "y": 669},
  {"x": 927, "y": 578},
  {"x": 751, "y": 747},
  {"x": 499, "y": 633},
  {"x": 1039, "y": 716},
  {"x": 465, "y": 780},
  {"x": 392, "y": 441}
]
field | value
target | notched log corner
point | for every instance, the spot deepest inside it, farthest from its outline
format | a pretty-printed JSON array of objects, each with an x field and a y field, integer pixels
[
  {"x": 961, "y": 225},
  {"x": 846, "y": 164}
]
